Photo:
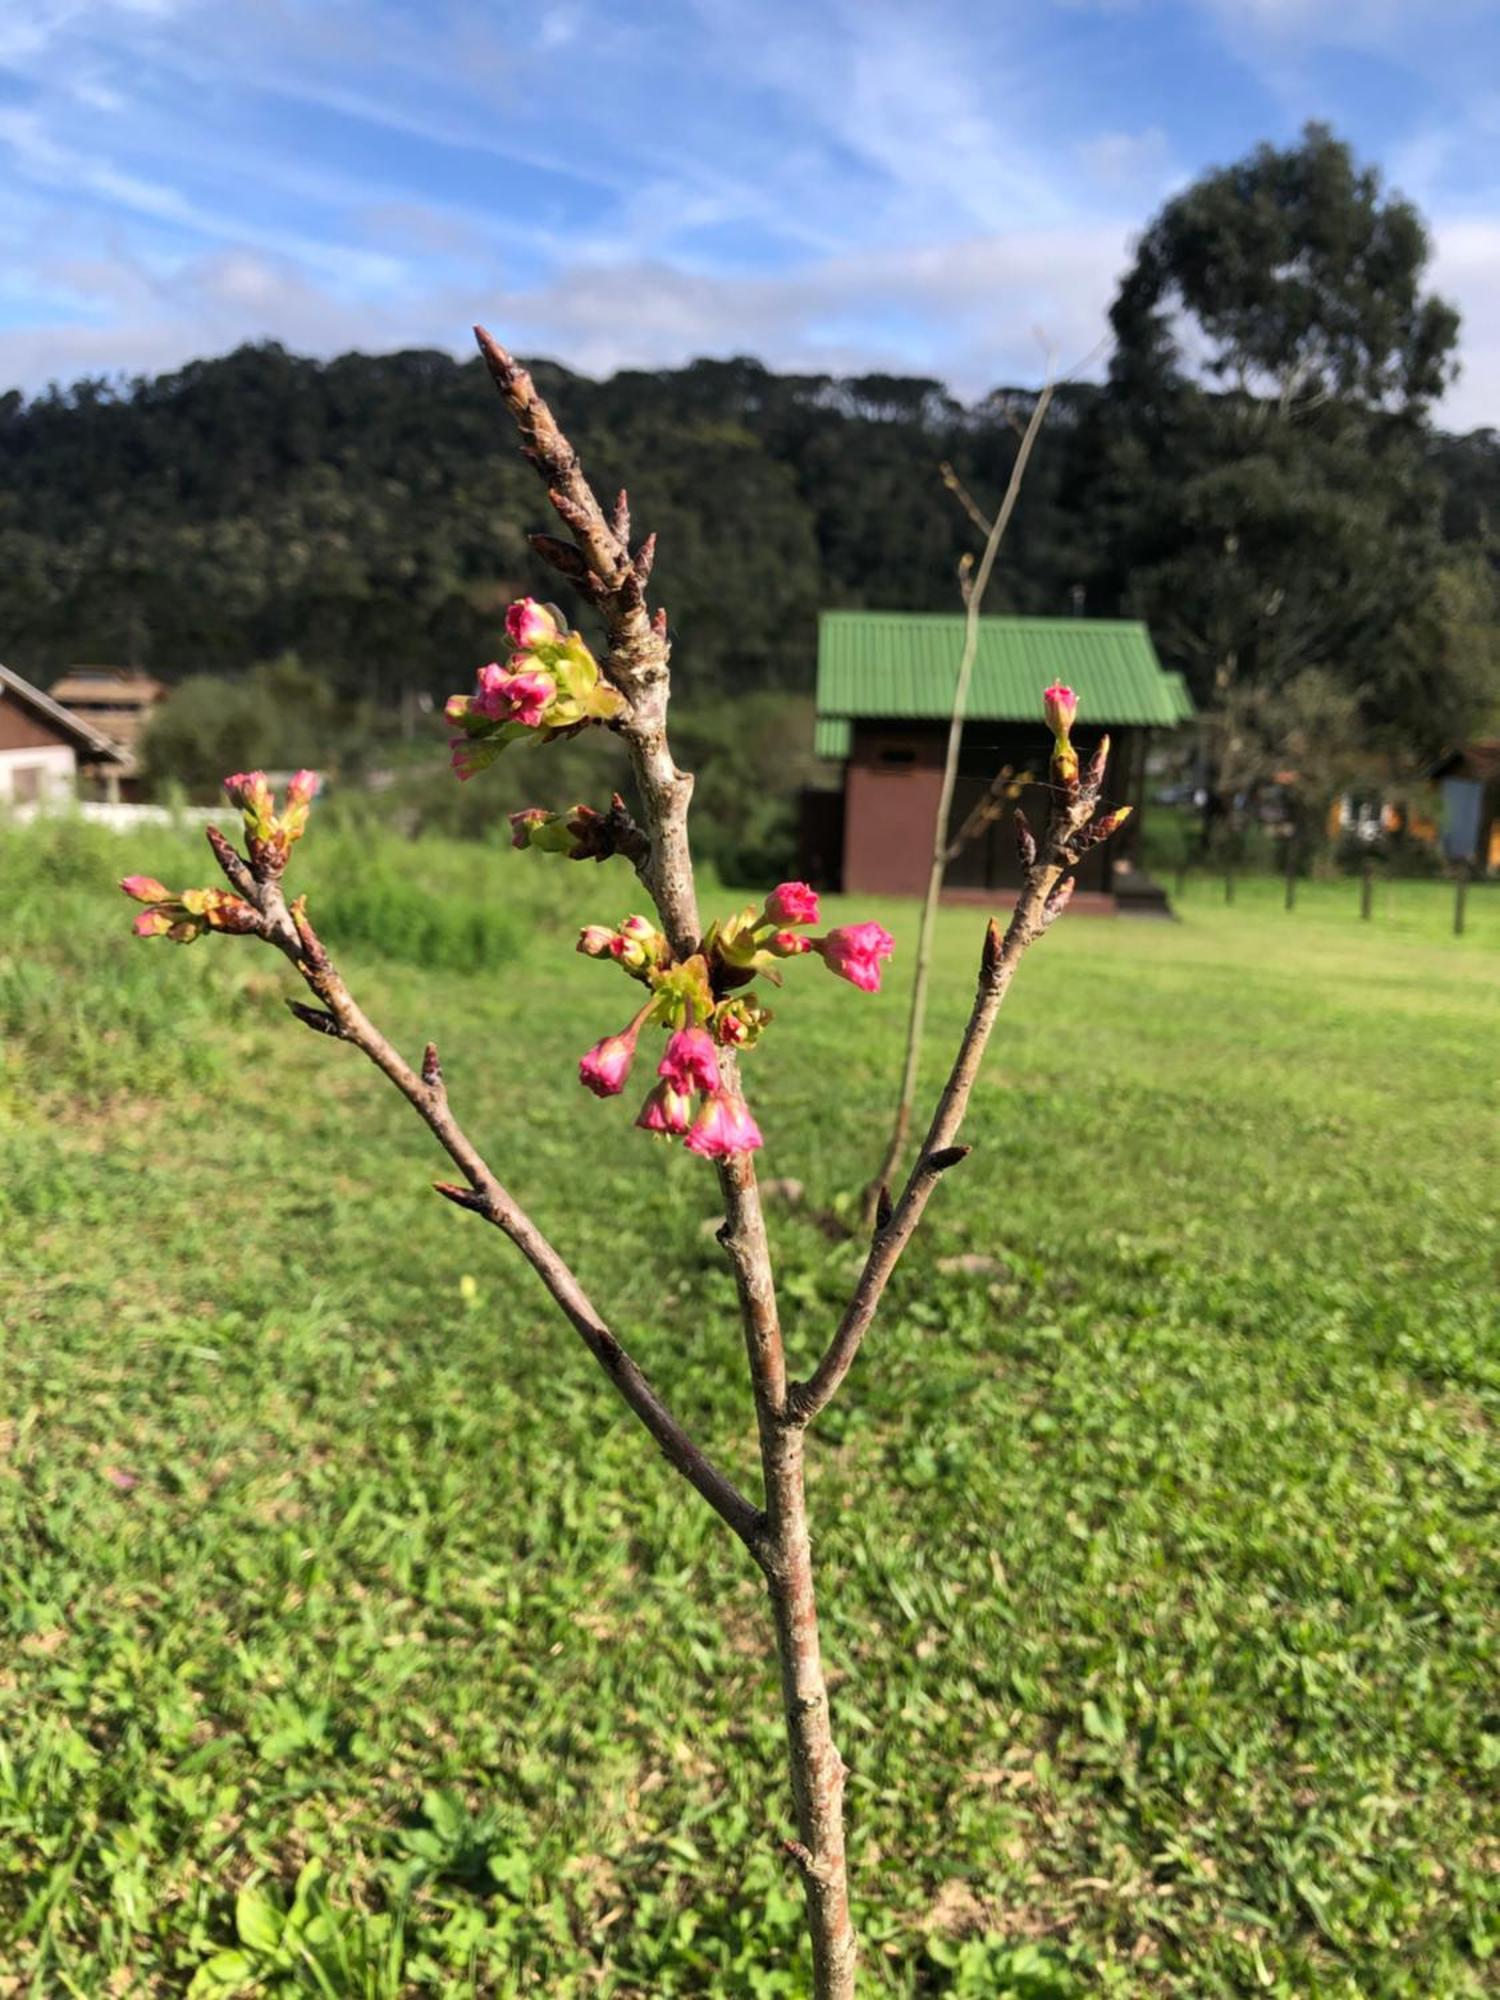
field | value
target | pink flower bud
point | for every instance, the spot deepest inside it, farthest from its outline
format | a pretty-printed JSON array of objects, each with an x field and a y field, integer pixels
[
  {"x": 786, "y": 944},
  {"x": 596, "y": 941},
  {"x": 690, "y": 1062},
  {"x": 604, "y": 1069},
  {"x": 666, "y": 1110},
  {"x": 521, "y": 824},
  {"x": 1060, "y": 706},
  {"x": 151, "y": 923},
  {"x": 302, "y": 789},
  {"x": 456, "y": 707},
  {"x": 723, "y": 1128},
  {"x": 855, "y": 952},
  {"x": 247, "y": 789},
  {"x": 508, "y": 697},
  {"x": 740, "y": 1022},
  {"x": 527, "y": 624},
  {"x": 792, "y": 903},
  {"x": 145, "y": 889}
]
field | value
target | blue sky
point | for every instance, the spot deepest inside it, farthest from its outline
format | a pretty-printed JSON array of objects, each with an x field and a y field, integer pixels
[{"x": 833, "y": 184}]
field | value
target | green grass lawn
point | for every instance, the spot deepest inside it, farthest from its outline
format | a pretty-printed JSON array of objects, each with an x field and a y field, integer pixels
[{"x": 1155, "y": 1523}]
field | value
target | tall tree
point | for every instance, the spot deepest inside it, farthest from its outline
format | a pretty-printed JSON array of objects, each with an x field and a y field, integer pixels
[{"x": 1266, "y": 496}]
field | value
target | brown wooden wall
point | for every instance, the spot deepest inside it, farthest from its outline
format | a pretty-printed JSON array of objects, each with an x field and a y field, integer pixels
[
  {"x": 21, "y": 728},
  {"x": 893, "y": 781}
]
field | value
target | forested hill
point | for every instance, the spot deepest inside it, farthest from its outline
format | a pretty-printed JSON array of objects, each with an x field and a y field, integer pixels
[{"x": 371, "y": 512}]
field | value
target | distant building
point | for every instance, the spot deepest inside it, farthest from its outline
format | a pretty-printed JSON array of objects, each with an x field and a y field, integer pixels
[
  {"x": 117, "y": 701},
  {"x": 45, "y": 748},
  {"x": 885, "y": 693},
  {"x": 1468, "y": 780}
]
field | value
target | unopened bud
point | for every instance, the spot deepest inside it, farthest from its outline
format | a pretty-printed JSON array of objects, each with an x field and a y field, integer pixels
[
  {"x": 1058, "y": 901},
  {"x": 1025, "y": 840},
  {"x": 1060, "y": 707}
]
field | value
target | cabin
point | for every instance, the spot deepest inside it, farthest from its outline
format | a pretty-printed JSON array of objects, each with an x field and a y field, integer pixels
[
  {"x": 45, "y": 748},
  {"x": 1468, "y": 781},
  {"x": 119, "y": 702},
  {"x": 885, "y": 696}
]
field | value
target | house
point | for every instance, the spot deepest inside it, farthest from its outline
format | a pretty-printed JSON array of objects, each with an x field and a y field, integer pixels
[
  {"x": 44, "y": 747},
  {"x": 885, "y": 694},
  {"x": 118, "y": 701},
  {"x": 1468, "y": 780}
]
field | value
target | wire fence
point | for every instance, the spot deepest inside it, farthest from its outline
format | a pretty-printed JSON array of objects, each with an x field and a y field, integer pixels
[{"x": 1461, "y": 905}]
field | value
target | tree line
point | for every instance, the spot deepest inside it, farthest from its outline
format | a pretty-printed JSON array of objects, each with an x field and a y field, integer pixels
[{"x": 1259, "y": 476}]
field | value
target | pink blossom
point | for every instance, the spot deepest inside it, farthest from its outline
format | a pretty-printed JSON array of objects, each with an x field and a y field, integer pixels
[
  {"x": 596, "y": 941},
  {"x": 461, "y": 754},
  {"x": 302, "y": 789},
  {"x": 509, "y": 697},
  {"x": 604, "y": 1069},
  {"x": 792, "y": 903},
  {"x": 666, "y": 1109},
  {"x": 1060, "y": 706},
  {"x": 855, "y": 952},
  {"x": 151, "y": 923},
  {"x": 723, "y": 1128},
  {"x": 527, "y": 624},
  {"x": 690, "y": 1062},
  {"x": 145, "y": 889}
]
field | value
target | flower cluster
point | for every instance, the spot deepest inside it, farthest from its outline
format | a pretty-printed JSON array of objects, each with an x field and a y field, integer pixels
[
  {"x": 269, "y": 835},
  {"x": 189, "y": 914},
  {"x": 551, "y": 685},
  {"x": 702, "y": 1004}
]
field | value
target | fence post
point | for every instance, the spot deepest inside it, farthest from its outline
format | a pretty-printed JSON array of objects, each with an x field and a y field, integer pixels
[
  {"x": 1460, "y": 897},
  {"x": 1366, "y": 888},
  {"x": 1228, "y": 881}
]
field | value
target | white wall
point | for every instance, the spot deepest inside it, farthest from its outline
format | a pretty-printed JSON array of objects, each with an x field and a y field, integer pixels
[{"x": 56, "y": 763}]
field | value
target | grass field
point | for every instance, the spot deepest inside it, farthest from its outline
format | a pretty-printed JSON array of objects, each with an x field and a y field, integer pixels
[{"x": 1156, "y": 1523}]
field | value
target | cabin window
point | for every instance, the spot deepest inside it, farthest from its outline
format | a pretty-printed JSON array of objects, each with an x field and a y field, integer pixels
[
  {"x": 898, "y": 753},
  {"x": 26, "y": 783}
]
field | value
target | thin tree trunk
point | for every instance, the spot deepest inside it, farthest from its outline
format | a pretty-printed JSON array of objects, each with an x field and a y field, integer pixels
[
  {"x": 816, "y": 1766},
  {"x": 917, "y": 1018}
]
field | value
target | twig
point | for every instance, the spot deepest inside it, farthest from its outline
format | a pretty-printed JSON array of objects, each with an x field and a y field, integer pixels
[{"x": 973, "y": 600}]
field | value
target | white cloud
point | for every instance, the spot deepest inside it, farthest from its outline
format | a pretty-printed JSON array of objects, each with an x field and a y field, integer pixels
[
  {"x": 1128, "y": 160},
  {"x": 1466, "y": 269}
]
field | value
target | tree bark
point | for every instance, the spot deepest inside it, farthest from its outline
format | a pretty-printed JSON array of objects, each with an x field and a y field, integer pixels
[{"x": 817, "y": 1769}]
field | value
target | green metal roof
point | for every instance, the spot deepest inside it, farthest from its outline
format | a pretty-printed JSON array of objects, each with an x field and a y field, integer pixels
[
  {"x": 904, "y": 664},
  {"x": 1179, "y": 686},
  {"x": 833, "y": 736}
]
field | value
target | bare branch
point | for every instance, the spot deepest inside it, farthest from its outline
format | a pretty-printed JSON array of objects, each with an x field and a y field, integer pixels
[
  {"x": 1048, "y": 885},
  {"x": 966, "y": 499},
  {"x": 290, "y": 931}
]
